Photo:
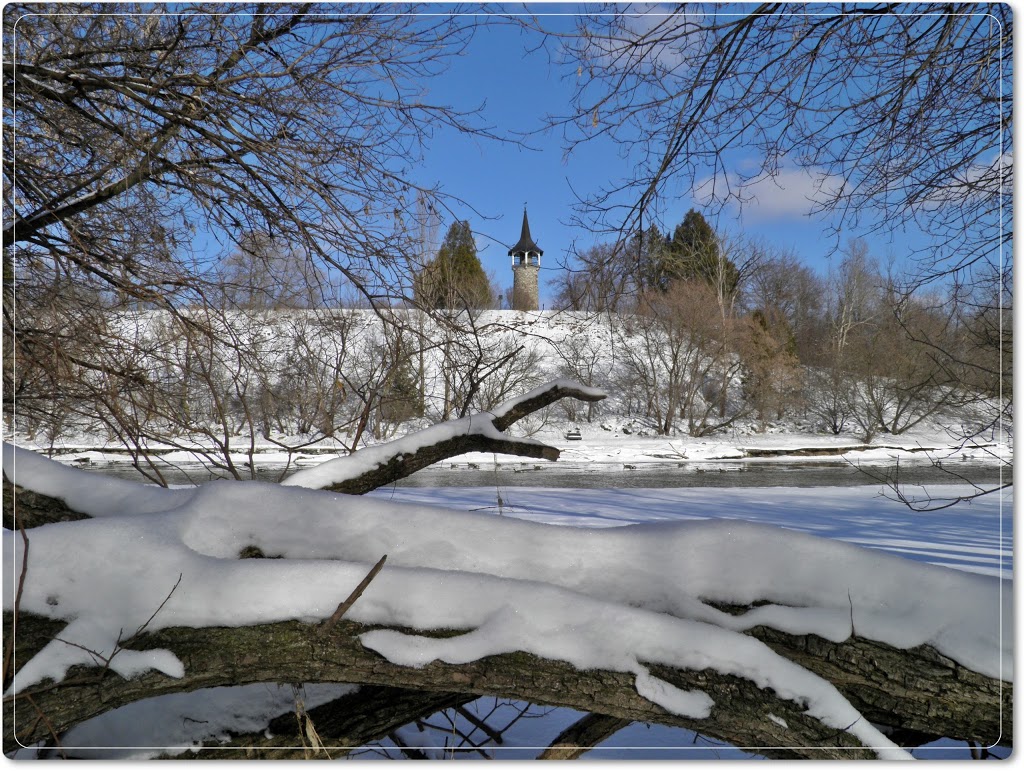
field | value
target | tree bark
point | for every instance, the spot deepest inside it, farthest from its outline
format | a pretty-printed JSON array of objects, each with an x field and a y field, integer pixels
[
  {"x": 402, "y": 464},
  {"x": 34, "y": 509},
  {"x": 295, "y": 652},
  {"x": 975, "y": 707},
  {"x": 917, "y": 690}
]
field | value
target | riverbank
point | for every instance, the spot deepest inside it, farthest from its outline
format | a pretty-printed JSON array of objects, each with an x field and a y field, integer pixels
[{"x": 605, "y": 446}]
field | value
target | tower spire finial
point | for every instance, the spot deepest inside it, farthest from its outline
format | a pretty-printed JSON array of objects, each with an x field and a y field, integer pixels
[{"x": 525, "y": 243}]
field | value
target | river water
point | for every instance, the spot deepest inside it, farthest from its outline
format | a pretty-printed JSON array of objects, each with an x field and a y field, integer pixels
[{"x": 755, "y": 473}]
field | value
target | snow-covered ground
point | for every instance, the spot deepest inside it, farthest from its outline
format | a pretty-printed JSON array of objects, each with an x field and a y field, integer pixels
[{"x": 599, "y": 578}]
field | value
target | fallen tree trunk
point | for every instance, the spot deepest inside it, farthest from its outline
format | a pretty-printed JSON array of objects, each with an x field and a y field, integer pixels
[{"x": 296, "y": 652}]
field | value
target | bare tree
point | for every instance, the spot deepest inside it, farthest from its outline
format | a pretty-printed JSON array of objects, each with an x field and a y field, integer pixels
[
  {"x": 903, "y": 380},
  {"x": 194, "y": 157},
  {"x": 603, "y": 280},
  {"x": 736, "y": 258},
  {"x": 587, "y": 357},
  {"x": 267, "y": 273},
  {"x": 886, "y": 364},
  {"x": 781, "y": 284},
  {"x": 901, "y": 114},
  {"x": 852, "y": 306},
  {"x": 674, "y": 354},
  {"x": 771, "y": 372},
  {"x": 478, "y": 359}
]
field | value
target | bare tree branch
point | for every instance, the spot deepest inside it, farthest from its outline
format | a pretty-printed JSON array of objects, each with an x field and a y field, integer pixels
[{"x": 380, "y": 465}]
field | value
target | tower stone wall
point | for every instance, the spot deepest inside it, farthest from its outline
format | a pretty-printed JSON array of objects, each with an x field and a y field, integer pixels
[{"x": 525, "y": 287}]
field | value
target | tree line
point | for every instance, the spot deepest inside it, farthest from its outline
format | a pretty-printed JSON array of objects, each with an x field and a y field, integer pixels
[{"x": 716, "y": 318}]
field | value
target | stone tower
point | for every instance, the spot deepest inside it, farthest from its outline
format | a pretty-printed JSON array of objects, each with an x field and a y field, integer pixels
[{"x": 525, "y": 270}]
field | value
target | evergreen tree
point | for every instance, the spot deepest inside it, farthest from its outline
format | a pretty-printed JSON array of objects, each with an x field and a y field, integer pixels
[
  {"x": 649, "y": 251},
  {"x": 455, "y": 278},
  {"x": 694, "y": 253},
  {"x": 401, "y": 398}
]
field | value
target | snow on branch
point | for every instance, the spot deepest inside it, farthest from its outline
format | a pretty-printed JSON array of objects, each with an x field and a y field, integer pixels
[
  {"x": 509, "y": 412},
  {"x": 379, "y": 465}
]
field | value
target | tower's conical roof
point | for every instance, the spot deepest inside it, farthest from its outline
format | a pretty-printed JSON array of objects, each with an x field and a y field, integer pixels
[{"x": 525, "y": 243}]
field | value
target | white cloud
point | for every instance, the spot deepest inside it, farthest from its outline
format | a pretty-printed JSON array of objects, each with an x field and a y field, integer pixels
[
  {"x": 792, "y": 193},
  {"x": 655, "y": 35}
]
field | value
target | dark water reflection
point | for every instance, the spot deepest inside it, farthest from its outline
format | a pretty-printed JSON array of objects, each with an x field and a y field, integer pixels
[
  {"x": 755, "y": 474},
  {"x": 604, "y": 475}
]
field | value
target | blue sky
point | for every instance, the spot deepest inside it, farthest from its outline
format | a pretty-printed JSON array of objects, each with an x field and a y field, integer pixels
[{"x": 519, "y": 89}]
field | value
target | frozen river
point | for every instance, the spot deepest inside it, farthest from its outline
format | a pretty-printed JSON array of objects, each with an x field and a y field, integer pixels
[{"x": 827, "y": 498}]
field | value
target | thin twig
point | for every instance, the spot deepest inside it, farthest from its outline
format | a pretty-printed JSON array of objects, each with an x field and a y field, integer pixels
[
  {"x": 120, "y": 644},
  {"x": 343, "y": 607},
  {"x": 494, "y": 735},
  {"x": 9, "y": 647},
  {"x": 160, "y": 607},
  {"x": 853, "y": 629},
  {"x": 49, "y": 726},
  {"x": 98, "y": 657}
]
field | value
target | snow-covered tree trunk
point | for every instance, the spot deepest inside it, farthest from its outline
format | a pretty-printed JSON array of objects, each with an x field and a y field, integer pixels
[
  {"x": 918, "y": 693},
  {"x": 383, "y": 464}
]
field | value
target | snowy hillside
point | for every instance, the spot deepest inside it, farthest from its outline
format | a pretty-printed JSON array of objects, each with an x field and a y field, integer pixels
[{"x": 315, "y": 383}]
